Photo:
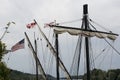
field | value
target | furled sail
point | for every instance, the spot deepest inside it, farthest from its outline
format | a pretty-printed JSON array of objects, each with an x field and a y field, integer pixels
[{"x": 83, "y": 32}]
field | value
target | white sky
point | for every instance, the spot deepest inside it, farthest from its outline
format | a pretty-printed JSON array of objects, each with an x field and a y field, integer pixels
[{"x": 105, "y": 12}]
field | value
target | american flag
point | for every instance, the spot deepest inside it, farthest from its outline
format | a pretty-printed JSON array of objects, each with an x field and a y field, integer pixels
[
  {"x": 30, "y": 25},
  {"x": 19, "y": 45}
]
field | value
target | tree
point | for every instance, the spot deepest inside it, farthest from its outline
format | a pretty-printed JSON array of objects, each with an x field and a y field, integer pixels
[
  {"x": 112, "y": 76},
  {"x": 97, "y": 74},
  {"x": 4, "y": 71},
  {"x": 118, "y": 78},
  {"x": 2, "y": 50}
]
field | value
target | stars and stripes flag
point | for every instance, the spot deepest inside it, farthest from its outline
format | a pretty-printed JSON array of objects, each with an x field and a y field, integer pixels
[
  {"x": 19, "y": 45},
  {"x": 31, "y": 25}
]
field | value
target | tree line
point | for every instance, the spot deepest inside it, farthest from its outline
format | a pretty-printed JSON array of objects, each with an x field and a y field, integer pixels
[{"x": 98, "y": 74}]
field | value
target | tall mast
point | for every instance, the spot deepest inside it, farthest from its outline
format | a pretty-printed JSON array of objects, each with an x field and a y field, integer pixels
[
  {"x": 85, "y": 18},
  {"x": 57, "y": 56},
  {"x": 36, "y": 58},
  {"x": 84, "y": 31},
  {"x": 35, "y": 42}
]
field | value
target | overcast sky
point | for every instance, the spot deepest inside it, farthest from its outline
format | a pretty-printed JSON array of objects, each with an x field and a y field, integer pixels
[{"x": 22, "y": 12}]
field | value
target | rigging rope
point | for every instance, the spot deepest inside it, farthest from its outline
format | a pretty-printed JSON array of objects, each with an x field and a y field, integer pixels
[
  {"x": 50, "y": 65},
  {"x": 111, "y": 59},
  {"x": 113, "y": 47},
  {"x": 107, "y": 43},
  {"x": 76, "y": 59},
  {"x": 93, "y": 26},
  {"x": 104, "y": 38},
  {"x": 70, "y": 21},
  {"x": 74, "y": 70},
  {"x": 100, "y": 53},
  {"x": 31, "y": 60},
  {"x": 85, "y": 61},
  {"x": 50, "y": 60},
  {"x": 43, "y": 52},
  {"x": 100, "y": 25},
  {"x": 104, "y": 57},
  {"x": 91, "y": 56}
]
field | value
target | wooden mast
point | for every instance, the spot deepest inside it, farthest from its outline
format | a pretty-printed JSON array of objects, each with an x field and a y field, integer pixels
[
  {"x": 35, "y": 42},
  {"x": 57, "y": 57},
  {"x": 36, "y": 58},
  {"x": 87, "y": 32},
  {"x": 85, "y": 18}
]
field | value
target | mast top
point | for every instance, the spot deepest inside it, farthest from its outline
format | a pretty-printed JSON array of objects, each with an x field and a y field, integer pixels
[{"x": 85, "y": 9}]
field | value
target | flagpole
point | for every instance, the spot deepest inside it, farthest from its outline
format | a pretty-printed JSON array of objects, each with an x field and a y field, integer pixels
[{"x": 53, "y": 51}]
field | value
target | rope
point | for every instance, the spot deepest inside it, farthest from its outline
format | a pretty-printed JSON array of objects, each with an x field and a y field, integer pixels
[
  {"x": 93, "y": 26},
  {"x": 91, "y": 56},
  {"x": 43, "y": 52},
  {"x": 100, "y": 53},
  {"x": 112, "y": 47},
  {"x": 31, "y": 61},
  {"x": 100, "y": 25},
  {"x": 106, "y": 40},
  {"x": 111, "y": 59},
  {"x": 103, "y": 58},
  {"x": 66, "y": 22},
  {"x": 107, "y": 43},
  {"x": 85, "y": 61},
  {"x": 74, "y": 70},
  {"x": 50, "y": 59}
]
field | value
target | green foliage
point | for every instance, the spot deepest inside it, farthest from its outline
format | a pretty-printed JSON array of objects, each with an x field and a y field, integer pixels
[
  {"x": 118, "y": 78},
  {"x": 17, "y": 75},
  {"x": 2, "y": 50},
  {"x": 113, "y": 74},
  {"x": 4, "y": 71},
  {"x": 97, "y": 74}
]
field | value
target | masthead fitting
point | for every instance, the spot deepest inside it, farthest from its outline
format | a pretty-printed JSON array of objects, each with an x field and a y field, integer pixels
[{"x": 85, "y": 9}]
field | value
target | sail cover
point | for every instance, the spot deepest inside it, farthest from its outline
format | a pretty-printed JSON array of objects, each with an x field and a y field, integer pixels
[{"x": 83, "y": 32}]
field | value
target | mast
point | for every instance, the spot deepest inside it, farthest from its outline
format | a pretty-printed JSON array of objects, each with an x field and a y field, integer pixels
[
  {"x": 85, "y": 18},
  {"x": 57, "y": 57},
  {"x": 36, "y": 58},
  {"x": 61, "y": 64},
  {"x": 86, "y": 32},
  {"x": 35, "y": 42}
]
